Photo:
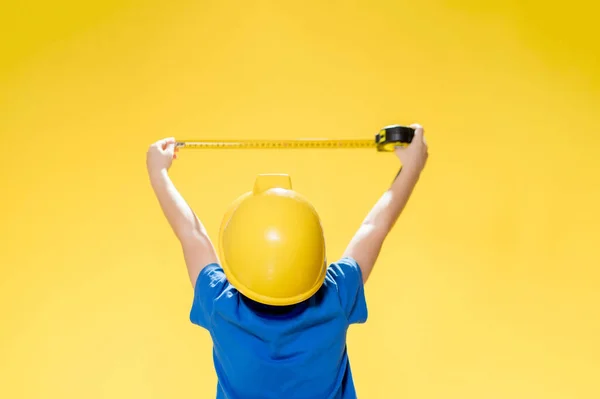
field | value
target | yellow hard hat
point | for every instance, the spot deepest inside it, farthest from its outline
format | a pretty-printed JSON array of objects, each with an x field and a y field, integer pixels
[{"x": 272, "y": 245}]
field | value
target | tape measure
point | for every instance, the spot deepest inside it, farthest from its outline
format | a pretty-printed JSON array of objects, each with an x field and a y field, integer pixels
[{"x": 386, "y": 140}]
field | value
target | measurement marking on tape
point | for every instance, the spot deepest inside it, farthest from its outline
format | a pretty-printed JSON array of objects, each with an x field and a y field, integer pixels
[{"x": 275, "y": 144}]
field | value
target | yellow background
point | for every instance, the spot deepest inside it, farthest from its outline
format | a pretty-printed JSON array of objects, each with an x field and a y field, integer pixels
[{"x": 488, "y": 286}]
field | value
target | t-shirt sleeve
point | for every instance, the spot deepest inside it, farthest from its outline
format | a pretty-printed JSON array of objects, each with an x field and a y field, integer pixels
[
  {"x": 347, "y": 276},
  {"x": 211, "y": 283}
]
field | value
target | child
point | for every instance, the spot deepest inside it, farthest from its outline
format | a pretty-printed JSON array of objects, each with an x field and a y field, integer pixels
[{"x": 277, "y": 313}]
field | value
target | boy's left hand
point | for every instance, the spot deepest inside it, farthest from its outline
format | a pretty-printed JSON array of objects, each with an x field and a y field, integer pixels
[
  {"x": 161, "y": 154},
  {"x": 414, "y": 156}
]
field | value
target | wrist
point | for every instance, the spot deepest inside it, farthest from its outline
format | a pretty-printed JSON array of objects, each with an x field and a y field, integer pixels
[
  {"x": 157, "y": 173},
  {"x": 409, "y": 170}
]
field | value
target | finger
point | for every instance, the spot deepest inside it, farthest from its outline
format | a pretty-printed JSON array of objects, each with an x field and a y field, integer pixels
[
  {"x": 419, "y": 134},
  {"x": 169, "y": 149},
  {"x": 399, "y": 149},
  {"x": 166, "y": 141},
  {"x": 418, "y": 129}
]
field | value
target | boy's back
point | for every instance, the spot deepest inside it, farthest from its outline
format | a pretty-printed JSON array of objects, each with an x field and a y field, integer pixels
[{"x": 299, "y": 354}]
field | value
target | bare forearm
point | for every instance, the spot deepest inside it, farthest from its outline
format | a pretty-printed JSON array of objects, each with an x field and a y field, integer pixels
[
  {"x": 368, "y": 240},
  {"x": 180, "y": 216},
  {"x": 388, "y": 208}
]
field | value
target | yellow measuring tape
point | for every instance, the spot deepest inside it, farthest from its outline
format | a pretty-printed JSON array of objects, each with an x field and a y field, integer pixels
[
  {"x": 276, "y": 144},
  {"x": 386, "y": 140}
]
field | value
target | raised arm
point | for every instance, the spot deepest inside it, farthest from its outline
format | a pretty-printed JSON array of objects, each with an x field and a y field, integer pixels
[
  {"x": 366, "y": 244},
  {"x": 198, "y": 250}
]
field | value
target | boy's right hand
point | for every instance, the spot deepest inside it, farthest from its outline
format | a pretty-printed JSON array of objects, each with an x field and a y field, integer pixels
[
  {"x": 160, "y": 155},
  {"x": 414, "y": 156}
]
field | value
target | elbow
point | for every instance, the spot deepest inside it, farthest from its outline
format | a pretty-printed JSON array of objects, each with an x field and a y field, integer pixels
[
  {"x": 191, "y": 236},
  {"x": 378, "y": 228},
  {"x": 190, "y": 230}
]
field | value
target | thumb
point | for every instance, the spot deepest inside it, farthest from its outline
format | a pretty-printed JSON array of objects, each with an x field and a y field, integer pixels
[
  {"x": 418, "y": 128},
  {"x": 166, "y": 142},
  {"x": 169, "y": 148},
  {"x": 418, "y": 136}
]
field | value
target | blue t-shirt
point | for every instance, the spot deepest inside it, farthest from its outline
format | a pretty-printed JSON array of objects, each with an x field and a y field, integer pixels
[{"x": 300, "y": 354}]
